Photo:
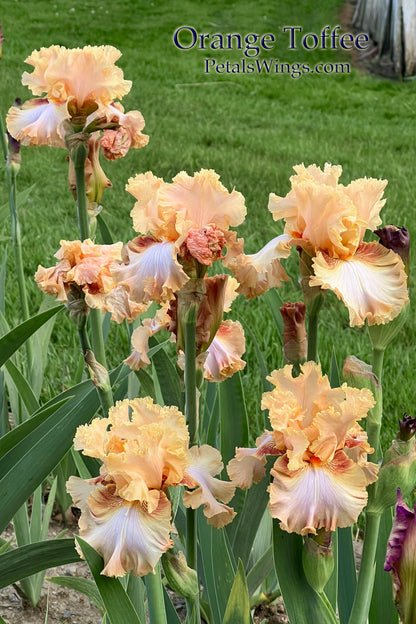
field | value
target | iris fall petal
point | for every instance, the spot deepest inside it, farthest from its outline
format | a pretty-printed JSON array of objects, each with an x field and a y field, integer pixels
[
  {"x": 127, "y": 536},
  {"x": 372, "y": 284}
]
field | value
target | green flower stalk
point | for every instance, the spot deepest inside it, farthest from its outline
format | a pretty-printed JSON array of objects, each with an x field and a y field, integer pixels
[
  {"x": 362, "y": 599},
  {"x": 11, "y": 152},
  {"x": 191, "y": 412},
  {"x": 188, "y": 304},
  {"x": 313, "y": 297},
  {"x": 154, "y": 587},
  {"x": 379, "y": 494},
  {"x": 78, "y": 144}
]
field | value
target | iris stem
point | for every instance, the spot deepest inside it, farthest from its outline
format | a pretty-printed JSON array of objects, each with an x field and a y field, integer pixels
[
  {"x": 364, "y": 591},
  {"x": 17, "y": 249},
  {"x": 97, "y": 337},
  {"x": 3, "y": 141},
  {"x": 79, "y": 166},
  {"x": 155, "y": 600},
  {"x": 375, "y": 416},
  {"x": 79, "y": 157},
  {"x": 190, "y": 373},
  {"x": 83, "y": 337},
  {"x": 313, "y": 315},
  {"x": 192, "y": 422}
]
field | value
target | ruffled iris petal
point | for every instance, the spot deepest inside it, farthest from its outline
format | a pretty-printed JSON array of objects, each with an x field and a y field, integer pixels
[
  {"x": 225, "y": 351},
  {"x": 257, "y": 273},
  {"x": 200, "y": 200},
  {"x": 248, "y": 465},
  {"x": 366, "y": 194},
  {"x": 87, "y": 73},
  {"x": 205, "y": 462},
  {"x": 152, "y": 272},
  {"x": 372, "y": 284},
  {"x": 127, "y": 536},
  {"x": 318, "y": 216},
  {"x": 118, "y": 303},
  {"x": 37, "y": 122},
  {"x": 325, "y": 496},
  {"x": 140, "y": 338},
  {"x": 143, "y": 447}
]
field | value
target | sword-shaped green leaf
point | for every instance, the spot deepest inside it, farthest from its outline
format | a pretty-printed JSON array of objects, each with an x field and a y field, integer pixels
[
  {"x": 10, "y": 342},
  {"x": 303, "y": 604},
  {"x": 238, "y": 605},
  {"x": 26, "y": 560},
  {"x": 118, "y": 605}
]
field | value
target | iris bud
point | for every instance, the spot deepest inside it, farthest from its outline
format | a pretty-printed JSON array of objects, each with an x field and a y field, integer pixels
[
  {"x": 318, "y": 559},
  {"x": 182, "y": 579},
  {"x": 295, "y": 339}
]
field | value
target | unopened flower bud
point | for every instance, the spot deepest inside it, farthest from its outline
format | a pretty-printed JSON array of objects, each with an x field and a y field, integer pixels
[
  {"x": 95, "y": 179},
  {"x": 407, "y": 428},
  {"x": 398, "y": 467},
  {"x": 14, "y": 157},
  {"x": 401, "y": 560},
  {"x": 210, "y": 311},
  {"x": 182, "y": 579},
  {"x": 76, "y": 306},
  {"x": 359, "y": 374},
  {"x": 295, "y": 339},
  {"x": 98, "y": 373},
  {"x": 398, "y": 240},
  {"x": 318, "y": 559}
]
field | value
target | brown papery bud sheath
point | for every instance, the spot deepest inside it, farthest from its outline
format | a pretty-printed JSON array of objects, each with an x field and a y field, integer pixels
[{"x": 295, "y": 339}]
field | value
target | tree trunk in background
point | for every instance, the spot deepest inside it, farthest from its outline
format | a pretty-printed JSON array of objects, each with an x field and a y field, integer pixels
[{"x": 392, "y": 26}]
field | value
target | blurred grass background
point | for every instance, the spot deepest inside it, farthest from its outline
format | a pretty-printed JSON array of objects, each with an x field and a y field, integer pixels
[{"x": 250, "y": 128}]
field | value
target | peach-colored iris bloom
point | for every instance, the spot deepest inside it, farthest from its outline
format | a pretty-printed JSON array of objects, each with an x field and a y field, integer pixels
[
  {"x": 88, "y": 266},
  {"x": 125, "y": 512},
  {"x": 187, "y": 220},
  {"x": 258, "y": 272},
  {"x": 220, "y": 344},
  {"x": 77, "y": 77},
  {"x": 321, "y": 474},
  {"x": 329, "y": 220}
]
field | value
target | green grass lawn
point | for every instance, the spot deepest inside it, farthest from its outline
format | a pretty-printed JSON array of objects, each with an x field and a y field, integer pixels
[{"x": 250, "y": 128}]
